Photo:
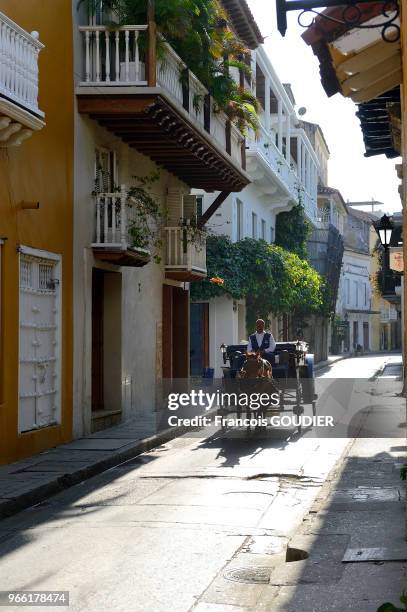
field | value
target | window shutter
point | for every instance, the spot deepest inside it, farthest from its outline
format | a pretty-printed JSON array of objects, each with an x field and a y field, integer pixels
[{"x": 174, "y": 206}]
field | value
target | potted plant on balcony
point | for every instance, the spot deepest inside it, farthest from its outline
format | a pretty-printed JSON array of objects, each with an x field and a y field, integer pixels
[{"x": 192, "y": 234}]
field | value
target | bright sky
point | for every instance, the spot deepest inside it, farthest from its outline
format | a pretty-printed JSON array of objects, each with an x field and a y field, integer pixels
[{"x": 357, "y": 177}]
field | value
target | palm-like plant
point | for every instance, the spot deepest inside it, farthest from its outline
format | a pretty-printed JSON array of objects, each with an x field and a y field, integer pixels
[{"x": 198, "y": 31}]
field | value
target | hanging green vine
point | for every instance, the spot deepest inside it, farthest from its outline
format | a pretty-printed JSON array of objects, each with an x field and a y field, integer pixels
[
  {"x": 293, "y": 230},
  {"x": 146, "y": 222},
  {"x": 270, "y": 278}
]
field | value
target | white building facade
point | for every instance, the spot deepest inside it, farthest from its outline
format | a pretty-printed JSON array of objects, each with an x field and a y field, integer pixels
[
  {"x": 355, "y": 298},
  {"x": 284, "y": 169}
]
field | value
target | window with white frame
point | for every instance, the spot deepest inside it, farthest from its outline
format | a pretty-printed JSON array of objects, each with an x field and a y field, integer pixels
[
  {"x": 347, "y": 291},
  {"x": 263, "y": 229},
  {"x": 355, "y": 285},
  {"x": 254, "y": 225},
  {"x": 239, "y": 220}
]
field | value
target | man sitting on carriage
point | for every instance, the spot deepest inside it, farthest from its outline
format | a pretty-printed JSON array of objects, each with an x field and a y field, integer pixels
[{"x": 261, "y": 341}]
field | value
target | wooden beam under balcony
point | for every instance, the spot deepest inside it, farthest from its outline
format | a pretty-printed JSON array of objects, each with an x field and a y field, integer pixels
[
  {"x": 129, "y": 258},
  {"x": 158, "y": 129}
]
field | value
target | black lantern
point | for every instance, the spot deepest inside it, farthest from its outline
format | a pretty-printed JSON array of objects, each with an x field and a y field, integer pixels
[{"x": 384, "y": 228}]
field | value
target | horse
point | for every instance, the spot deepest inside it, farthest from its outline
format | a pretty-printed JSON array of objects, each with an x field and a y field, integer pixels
[
  {"x": 255, "y": 367},
  {"x": 256, "y": 376}
]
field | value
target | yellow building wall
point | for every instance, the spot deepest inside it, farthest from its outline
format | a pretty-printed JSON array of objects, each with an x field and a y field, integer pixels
[{"x": 41, "y": 169}]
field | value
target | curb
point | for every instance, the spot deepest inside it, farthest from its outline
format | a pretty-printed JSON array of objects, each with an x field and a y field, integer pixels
[
  {"x": 325, "y": 364},
  {"x": 40, "y": 493}
]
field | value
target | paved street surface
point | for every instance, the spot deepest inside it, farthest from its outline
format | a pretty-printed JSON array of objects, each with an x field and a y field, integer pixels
[{"x": 199, "y": 522}]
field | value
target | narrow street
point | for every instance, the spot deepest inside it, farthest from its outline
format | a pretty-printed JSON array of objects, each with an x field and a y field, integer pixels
[{"x": 160, "y": 532}]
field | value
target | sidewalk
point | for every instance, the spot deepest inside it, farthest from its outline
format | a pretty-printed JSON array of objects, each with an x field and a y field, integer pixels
[
  {"x": 29, "y": 481},
  {"x": 330, "y": 361},
  {"x": 350, "y": 552}
]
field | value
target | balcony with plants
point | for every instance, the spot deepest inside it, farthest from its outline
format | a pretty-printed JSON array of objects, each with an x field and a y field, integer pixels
[
  {"x": 20, "y": 115},
  {"x": 162, "y": 81},
  {"x": 132, "y": 227}
]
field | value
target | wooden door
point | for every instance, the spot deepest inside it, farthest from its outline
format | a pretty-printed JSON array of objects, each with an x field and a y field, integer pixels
[
  {"x": 175, "y": 358},
  {"x": 97, "y": 340}
]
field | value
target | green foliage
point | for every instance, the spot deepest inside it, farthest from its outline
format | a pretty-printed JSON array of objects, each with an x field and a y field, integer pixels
[
  {"x": 389, "y": 607},
  {"x": 293, "y": 230},
  {"x": 146, "y": 223},
  {"x": 270, "y": 278},
  {"x": 198, "y": 31}
]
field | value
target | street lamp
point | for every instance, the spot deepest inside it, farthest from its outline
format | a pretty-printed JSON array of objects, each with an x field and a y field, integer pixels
[{"x": 384, "y": 228}]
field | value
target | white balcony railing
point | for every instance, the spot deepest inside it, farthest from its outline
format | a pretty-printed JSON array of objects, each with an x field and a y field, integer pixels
[
  {"x": 19, "y": 65},
  {"x": 264, "y": 145},
  {"x": 183, "y": 252},
  {"x": 114, "y": 216},
  {"x": 115, "y": 58}
]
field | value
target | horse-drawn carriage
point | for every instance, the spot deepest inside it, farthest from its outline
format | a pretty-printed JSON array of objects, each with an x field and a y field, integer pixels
[{"x": 291, "y": 377}]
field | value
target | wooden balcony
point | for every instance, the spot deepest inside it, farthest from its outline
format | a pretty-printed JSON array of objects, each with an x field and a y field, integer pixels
[
  {"x": 155, "y": 104},
  {"x": 185, "y": 258},
  {"x": 19, "y": 112},
  {"x": 114, "y": 215}
]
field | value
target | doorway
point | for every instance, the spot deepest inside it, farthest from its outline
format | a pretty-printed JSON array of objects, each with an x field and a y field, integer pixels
[
  {"x": 199, "y": 347},
  {"x": 365, "y": 336},
  {"x": 355, "y": 334},
  {"x": 106, "y": 341}
]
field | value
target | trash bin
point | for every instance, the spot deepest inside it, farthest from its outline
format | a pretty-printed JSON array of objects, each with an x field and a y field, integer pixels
[{"x": 207, "y": 376}]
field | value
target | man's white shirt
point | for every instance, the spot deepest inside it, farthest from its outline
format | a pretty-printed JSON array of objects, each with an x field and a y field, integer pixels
[{"x": 259, "y": 338}]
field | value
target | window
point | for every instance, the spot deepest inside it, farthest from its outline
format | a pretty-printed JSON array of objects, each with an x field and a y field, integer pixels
[
  {"x": 347, "y": 291},
  {"x": 239, "y": 220},
  {"x": 263, "y": 229},
  {"x": 105, "y": 170},
  {"x": 199, "y": 207},
  {"x": 254, "y": 225}
]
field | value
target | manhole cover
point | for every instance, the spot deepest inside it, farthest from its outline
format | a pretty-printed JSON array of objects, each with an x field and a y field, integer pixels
[{"x": 249, "y": 575}]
